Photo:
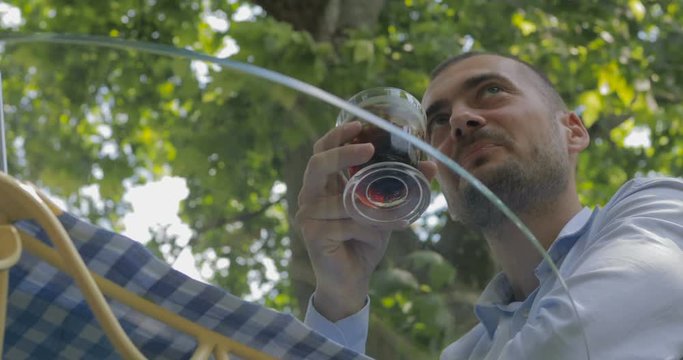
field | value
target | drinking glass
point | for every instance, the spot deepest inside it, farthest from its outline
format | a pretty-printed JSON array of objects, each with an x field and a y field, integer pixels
[{"x": 388, "y": 191}]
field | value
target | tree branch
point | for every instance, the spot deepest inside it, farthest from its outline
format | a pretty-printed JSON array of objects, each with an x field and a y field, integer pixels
[
  {"x": 303, "y": 15},
  {"x": 243, "y": 217},
  {"x": 324, "y": 19}
]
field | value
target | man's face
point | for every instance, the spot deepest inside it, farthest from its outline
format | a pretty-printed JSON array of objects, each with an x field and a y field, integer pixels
[{"x": 488, "y": 114}]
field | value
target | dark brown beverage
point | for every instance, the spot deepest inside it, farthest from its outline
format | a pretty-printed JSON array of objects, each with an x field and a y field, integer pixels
[{"x": 390, "y": 190}]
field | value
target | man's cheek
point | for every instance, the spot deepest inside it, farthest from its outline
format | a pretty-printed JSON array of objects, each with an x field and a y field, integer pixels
[{"x": 446, "y": 147}]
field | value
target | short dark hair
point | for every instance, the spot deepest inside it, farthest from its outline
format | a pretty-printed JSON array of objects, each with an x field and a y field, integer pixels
[{"x": 547, "y": 88}]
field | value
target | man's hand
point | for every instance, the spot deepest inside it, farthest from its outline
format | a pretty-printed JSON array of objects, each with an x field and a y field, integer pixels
[{"x": 343, "y": 253}]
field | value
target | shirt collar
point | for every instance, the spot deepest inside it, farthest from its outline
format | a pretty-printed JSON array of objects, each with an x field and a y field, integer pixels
[
  {"x": 565, "y": 241},
  {"x": 494, "y": 301},
  {"x": 497, "y": 297},
  {"x": 577, "y": 223}
]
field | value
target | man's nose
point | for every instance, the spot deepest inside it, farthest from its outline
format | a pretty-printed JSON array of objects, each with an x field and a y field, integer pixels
[{"x": 465, "y": 123}]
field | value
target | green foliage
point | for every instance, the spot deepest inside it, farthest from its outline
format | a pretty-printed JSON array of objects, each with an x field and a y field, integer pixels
[
  {"x": 412, "y": 298},
  {"x": 437, "y": 272}
]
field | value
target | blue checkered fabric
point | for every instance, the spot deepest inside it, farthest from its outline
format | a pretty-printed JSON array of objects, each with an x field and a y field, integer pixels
[{"x": 47, "y": 317}]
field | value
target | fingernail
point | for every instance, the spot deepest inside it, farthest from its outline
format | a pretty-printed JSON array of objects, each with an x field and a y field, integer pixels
[{"x": 351, "y": 124}]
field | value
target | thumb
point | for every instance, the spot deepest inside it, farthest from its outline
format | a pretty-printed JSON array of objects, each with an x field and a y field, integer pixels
[{"x": 428, "y": 168}]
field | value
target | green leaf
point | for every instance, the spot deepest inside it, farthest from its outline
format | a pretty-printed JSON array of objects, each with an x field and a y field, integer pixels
[{"x": 392, "y": 280}]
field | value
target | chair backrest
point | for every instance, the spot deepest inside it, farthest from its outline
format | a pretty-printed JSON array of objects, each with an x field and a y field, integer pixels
[{"x": 21, "y": 202}]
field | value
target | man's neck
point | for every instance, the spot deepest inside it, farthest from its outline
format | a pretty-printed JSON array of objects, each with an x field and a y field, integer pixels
[{"x": 514, "y": 252}]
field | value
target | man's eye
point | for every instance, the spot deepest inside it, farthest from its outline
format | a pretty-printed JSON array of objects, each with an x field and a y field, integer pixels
[
  {"x": 493, "y": 89},
  {"x": 440, "y": 119},
  {"x": 436, "y": 124}
]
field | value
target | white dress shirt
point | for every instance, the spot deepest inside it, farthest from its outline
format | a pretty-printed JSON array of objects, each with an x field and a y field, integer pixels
[{"x": 623, "y": 265}]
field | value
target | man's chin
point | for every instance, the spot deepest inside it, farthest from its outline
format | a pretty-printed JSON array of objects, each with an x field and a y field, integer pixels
[{"x": 475, "y": 208}]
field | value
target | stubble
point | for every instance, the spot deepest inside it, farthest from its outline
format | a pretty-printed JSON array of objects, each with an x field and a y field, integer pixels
[{"x": 526, "y": 188}]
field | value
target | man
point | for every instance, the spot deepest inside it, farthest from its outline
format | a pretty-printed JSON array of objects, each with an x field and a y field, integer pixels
[{"x": 504, "y": 122}]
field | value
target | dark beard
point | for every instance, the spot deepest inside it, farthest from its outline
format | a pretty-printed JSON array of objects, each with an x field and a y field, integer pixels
[{"x": 528, "y": 190}]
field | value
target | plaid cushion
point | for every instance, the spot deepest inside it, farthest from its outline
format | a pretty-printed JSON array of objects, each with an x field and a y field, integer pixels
[{"x": 47, "y": 318}]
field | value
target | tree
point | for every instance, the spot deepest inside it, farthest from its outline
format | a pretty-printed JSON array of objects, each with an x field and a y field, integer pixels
[{"x": 86, "y": 115}]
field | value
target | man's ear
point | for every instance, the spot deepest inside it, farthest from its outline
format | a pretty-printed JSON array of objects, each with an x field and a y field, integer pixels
[{"x": 575, "y": 132}]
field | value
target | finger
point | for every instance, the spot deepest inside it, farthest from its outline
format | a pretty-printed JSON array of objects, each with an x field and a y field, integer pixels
[
  {"x": 325, "y": 234},
  {"x": 335, "y": 184},
  {"x": 428, "y": 168},
  {"x": 324, "y": 208},
  {"x": 338, "y": 136},
  {"x": 340, "y": 158},
  {"x": 323, "y": 168}
]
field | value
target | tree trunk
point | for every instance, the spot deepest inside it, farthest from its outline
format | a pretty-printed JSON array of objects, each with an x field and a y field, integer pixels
[
  {"x": 300, "y": 270},
  {"x": 328, "y": 21},
  {"x": 325, "y": 20}
]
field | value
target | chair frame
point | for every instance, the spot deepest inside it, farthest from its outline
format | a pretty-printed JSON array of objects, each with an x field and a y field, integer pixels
[{"x": 23, "y": 202}]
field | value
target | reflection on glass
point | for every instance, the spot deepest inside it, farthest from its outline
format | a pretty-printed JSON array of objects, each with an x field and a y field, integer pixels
[
  {"x": 388, "y": 191},
  {"x": 37, "y": 140}
]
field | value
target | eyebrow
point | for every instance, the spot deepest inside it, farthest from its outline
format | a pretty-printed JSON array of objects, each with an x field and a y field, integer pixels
[
  {"x": 467, "y": 85},
  {"x": 435, "y": 107}
]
